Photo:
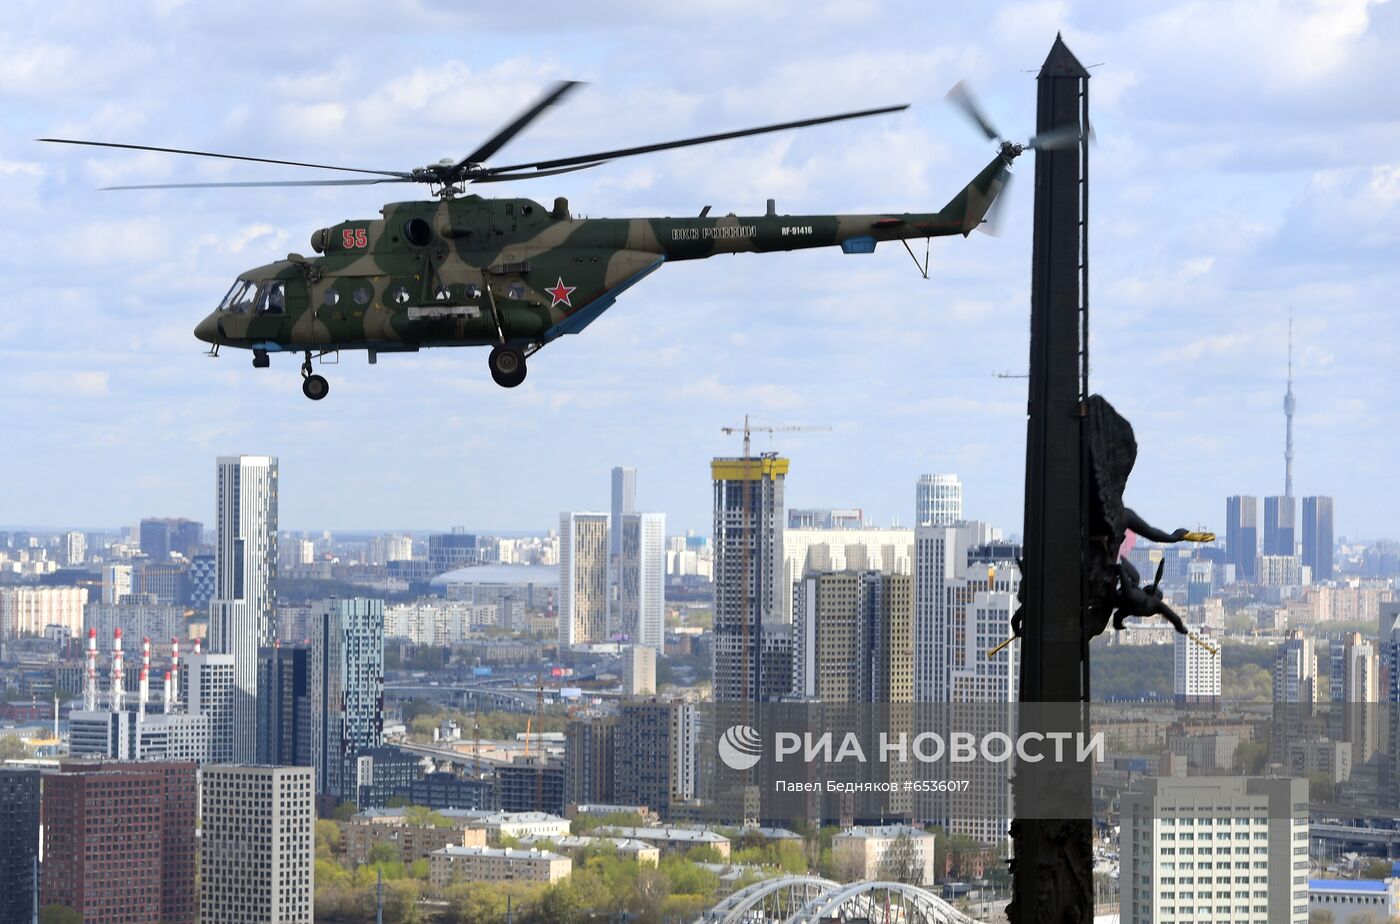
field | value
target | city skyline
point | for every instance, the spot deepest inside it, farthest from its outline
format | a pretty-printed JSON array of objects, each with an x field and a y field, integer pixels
[
  {"x": 1210, "y": 244},
  {"x": 801, "y": 585}
]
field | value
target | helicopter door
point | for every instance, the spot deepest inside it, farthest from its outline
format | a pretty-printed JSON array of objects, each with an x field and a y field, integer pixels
[{"x": 503, "y": 217}]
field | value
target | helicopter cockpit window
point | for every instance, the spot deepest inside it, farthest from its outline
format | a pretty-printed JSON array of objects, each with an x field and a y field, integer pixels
[
  {"x": 361, "y": 294},
  {"x": 274, "y": 298},
  {"x": 331, "y": 298},
  {"x": 240, "y": 298},
  {"x": 399, "y": 294}
]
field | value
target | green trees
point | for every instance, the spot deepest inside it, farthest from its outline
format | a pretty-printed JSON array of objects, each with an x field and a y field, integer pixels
[{"x": 13, "y": 748}]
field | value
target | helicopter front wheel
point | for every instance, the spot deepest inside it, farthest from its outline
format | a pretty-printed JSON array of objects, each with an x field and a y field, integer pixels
[
  {"x": 507, "y": 366},
  {"x": 315, "y": 387}
]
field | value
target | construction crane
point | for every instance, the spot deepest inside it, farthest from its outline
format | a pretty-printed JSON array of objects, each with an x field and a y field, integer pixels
[
  {"x": 747, "y": 529},
  {"x": 747, "y": 429}
]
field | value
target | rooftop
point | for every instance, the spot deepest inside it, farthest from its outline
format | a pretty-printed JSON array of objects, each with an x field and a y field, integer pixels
[
  {"x": 505, "y": 853},
  {"x": 690, "y": 835},
  {"x": 1347, "y": 885}
]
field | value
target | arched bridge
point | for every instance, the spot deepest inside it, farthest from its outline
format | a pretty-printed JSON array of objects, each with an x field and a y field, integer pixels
[{"x": 814, "y": 900}]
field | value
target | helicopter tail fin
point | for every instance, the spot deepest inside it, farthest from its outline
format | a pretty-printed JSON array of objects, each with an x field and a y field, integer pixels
[{"x": 967, "y": 210}]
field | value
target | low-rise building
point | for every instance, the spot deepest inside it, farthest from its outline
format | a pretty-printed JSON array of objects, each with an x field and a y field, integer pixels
[
  {"x": 570, "y": 844},
  {"x": 671, "y": 839},
  {"x": 1352, "y": 901},
  {"x": 896, "y": 852},
  {"x": 495, "y": 824},
  {"x": 415, "y": 835},
  {"x": 496, "y": 864}
]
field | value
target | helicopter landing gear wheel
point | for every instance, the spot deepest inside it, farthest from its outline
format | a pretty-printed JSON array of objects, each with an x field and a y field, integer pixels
[
  {"x": 507, "y": 366},
  {"x": 315, "y": 387},
  {"x": 261, "y": 360}
]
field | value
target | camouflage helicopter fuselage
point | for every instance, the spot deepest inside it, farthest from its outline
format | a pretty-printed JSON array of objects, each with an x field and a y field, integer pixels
[{"x": 509, "y": 273}]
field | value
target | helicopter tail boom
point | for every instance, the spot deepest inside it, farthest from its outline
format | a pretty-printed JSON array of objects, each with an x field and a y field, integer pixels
[{"x": 704, "y": 236}]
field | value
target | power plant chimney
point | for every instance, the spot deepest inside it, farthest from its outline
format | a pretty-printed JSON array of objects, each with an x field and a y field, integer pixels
[
  {"x": 144, "y": 690},
  {"x": 172, "y": 676},
  {"x": 90, "y": 681},
  {"x": 116, "y": 693}
]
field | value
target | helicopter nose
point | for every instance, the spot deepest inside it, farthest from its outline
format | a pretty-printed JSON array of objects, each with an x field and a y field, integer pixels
[{"x": 208, "y": 329}]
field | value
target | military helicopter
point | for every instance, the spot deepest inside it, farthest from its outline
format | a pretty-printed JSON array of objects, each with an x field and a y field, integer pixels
[{"x": 509, "y": 273}]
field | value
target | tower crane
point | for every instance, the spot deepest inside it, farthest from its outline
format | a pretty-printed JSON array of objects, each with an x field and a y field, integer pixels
[{"x": 748, "y": 428}]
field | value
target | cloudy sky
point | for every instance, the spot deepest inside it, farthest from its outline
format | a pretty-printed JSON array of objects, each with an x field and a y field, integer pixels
[{"x": 1246, "y": 163}]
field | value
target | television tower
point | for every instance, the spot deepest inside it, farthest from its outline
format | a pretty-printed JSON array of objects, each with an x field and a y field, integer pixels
[{"x": 1288, "y": 406}]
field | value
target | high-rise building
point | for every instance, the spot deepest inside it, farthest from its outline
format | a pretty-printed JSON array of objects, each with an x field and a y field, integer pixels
[
  {"x": 938, "y": 501},
  {"x": 1242, "y": 534},
  {"x": 945, "y": 557},
  {"x": 136, "y": 620},
  {"x": 531, "y": 784},
  {"x": 624, "y": 501},
  {"x": 1196, "y": 675},
  {"x": 19, "y": 844},
  {"x": 642, "y": 755},
  {"x": 588, "y": 760},
  {"x": 1389, "y": 642},
  {"x": 1356, "y": 689},
  {"x": 285, "y": 706},
  {"x": 1280, "y": 530},
  {"x": 639, "y": 670},
  {"x": 449, "y": 551},
  {"x": 347, "y": 689},
  {"x": 74, "y": 548},
  {"x": 119, "y": 841},
  {"x": 131, "y": 734},
  {"x": 31, "y": 610},
  {"x": 583, "y": 578},
  {"x": 637, "y": 602},
  {"x": 257, "y": 845},
  {"x": 202, "y": 580},
  {"x": 749, "y": 585},
  {"x": 240, "y": 615},
  {"x": 853, "y": 638},
  {"x": 160, "y": 537},
  {"x": 165, "y": 583},
  {"x": 1226, "y": 849},
  {"x": 116, "y": 583},
  {"x": 978, "y": 602},
  {"x": 1317, "y": 537},
  {"x": 207, "y": 688},
  {"x": 1295, "y": 670},
  {"x": 390, "y": 547},
  {"x": 856, "y": 548}
]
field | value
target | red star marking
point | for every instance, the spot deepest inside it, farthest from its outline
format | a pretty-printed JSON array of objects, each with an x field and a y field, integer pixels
[{"x": 561, "y": 293}]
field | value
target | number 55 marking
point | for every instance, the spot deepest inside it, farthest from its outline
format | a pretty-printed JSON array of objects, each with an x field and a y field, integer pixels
[{"x": 352, "y": 238}]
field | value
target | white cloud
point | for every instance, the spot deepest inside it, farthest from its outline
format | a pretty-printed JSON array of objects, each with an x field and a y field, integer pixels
[{"x": 1245, "y": 163}]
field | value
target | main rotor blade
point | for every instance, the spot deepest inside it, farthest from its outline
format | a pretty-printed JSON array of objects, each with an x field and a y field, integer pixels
[
  {"x": 528, "y": 175},
  {"x": 687, "y": 142},
  {"x": 257, "y": 184},
  {"x": 1066, "y": 136},
  {"x": 498, "y": 140},
  {"x": 961, "y": 97},
  {"x": 260, "y": 160}
]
